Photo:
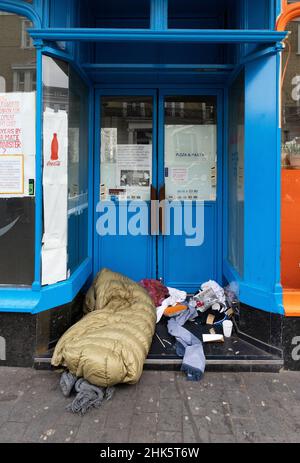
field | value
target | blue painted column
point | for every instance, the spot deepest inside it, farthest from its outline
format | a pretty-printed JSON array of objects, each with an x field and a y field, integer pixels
[
  {"x": 159, "y": 15},
  {"x": 39, "y": 167},
  {"x": 262, "y": 287}
]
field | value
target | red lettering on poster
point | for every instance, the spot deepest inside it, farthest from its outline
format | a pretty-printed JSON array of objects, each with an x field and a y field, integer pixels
[{"x": 10, "y": 133}]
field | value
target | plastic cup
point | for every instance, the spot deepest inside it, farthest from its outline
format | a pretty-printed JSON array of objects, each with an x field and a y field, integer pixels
[{"x": 227, "y": 328}]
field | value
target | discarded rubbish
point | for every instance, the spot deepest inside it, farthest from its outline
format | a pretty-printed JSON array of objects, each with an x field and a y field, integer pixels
[
  {"x": 211, "y": 306},
  {"x": 156, "y": 290},
  {"x": 172, "y": 311},
  {"x": 188, "y": 346},
  {"x": 175, "y": 296},
  {"x": 168, "y": 342},
  {"x": 213, "y": 338},
  {"x": 88, "y": 396},
  {"x": 227, "y": 328},
  {"x": 160, "y": 340}
]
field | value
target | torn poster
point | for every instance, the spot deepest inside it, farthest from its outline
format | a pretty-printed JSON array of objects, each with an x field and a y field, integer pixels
[
  {"x": 55, "y": 189},
  {"x": 17, "y": 138},
  {"x": 109, "y": 137}
]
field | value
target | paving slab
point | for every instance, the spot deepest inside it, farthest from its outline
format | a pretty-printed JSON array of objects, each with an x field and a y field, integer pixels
[{"x": 163, "y": 407}]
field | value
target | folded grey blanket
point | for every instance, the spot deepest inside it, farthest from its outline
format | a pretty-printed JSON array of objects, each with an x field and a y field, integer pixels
[{"x": 88, "y": 396}]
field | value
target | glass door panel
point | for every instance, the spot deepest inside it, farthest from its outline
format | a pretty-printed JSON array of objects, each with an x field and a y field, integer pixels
[
  {"x": 191, "y": 148},
  {"x": 126, "y": 148}
]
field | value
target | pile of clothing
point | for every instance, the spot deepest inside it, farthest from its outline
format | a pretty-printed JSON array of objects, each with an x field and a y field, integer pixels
[
  {"x": 212, "y": 302},
  {"x": 88, "y": 395}
]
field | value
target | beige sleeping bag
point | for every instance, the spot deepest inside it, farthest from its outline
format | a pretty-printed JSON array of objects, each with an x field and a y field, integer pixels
[{"x": 109, "y": 345}]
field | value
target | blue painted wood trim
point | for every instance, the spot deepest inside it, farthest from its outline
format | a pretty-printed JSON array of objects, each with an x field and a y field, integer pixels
[
  {"x": 262, "y": 185},
  {"x": 155, "y": 86},
  {"x": 159, "y": 15},
  {"x": 225, "y": 175},
  {"x": 174, "y": 35},
  {"x": 131, "y": 91},
  {"x": 42, "y": 7},
  {"x": 254, "y": 296},
  {"x": 278, "y": 7},
  {"x": 69, "y": 58},
  {"x": 159, "y": 66},
  {"x": 20, "y": 300},
  {"x": 198, "y": 91},
  {"x": 91, "y": 173},
  {"x": 278, "y": 196},
  {"x": 161, "y": 173},
  {"x": 252, "y": 57},
  {"x": 39, "y": 171},
  {"x": 23, "y": 9},
  {"x": 96, "y": 178}
]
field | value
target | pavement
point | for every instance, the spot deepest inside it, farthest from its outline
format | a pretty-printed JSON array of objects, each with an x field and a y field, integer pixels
[{"x": 162, "y": 408}]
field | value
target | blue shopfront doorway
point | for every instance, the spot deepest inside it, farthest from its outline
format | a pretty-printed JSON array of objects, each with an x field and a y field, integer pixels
[{"x": 158, "y": 184}]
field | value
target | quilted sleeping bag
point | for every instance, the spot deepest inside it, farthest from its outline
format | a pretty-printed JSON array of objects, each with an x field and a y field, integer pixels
[{"x": 111, "y": 342}]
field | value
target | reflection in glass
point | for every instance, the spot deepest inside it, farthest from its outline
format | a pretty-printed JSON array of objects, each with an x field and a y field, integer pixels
[
  {"x": 236, "y": 174},
  {"x": 66, "y": 94},
  {"x": 17, "y": 211},
  {"x": 126, "y": 148},
  {"x": 190, "y": 148},
  {"x": 290, "y": 158},
  {"x": 291, "y": 98}
]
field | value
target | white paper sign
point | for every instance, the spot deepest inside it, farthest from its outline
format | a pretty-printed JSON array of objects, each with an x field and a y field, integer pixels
[
  {"x": 11, "y": 175},
  {"x": 55, "y": 189},
  {"x": 190, "y": 161},
  {"x": 134, "y": 170},
  {"x": 17, "y": 134}
]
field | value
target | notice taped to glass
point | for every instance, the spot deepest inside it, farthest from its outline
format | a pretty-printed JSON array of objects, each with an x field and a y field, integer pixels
[
  {"x": 12, "y": 174},
  {"x": 17, "y": 142}
]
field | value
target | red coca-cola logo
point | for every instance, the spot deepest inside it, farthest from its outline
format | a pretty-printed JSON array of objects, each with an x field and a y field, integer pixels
[
  {"x": 53, "y": 163},
  {"x": 54, "y": 159}
]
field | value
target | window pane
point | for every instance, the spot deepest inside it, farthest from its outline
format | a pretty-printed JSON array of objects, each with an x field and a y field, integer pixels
[
  {"x": 191, "y": 148},
  {"x": 236, "y": 175},
  {"x": 290, "y": 157},
  {"x": 115, "y": 14},
  {"x": 77, "y": 172},
  {"x": 65, "y": 180},
  {"x": 17, "y": 152},
  {"x": 291, "y": 99},
  {"x": 190, "y": 14},
  {"x": 126, "y": 148}
]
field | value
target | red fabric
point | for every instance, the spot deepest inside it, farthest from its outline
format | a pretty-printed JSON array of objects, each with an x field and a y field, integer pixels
[{"x": 157, "y": 291}]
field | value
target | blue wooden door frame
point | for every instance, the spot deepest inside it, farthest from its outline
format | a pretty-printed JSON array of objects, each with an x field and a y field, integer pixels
[
  {"x": 221, "y": 120},
  {"x": 121, "y": 93},
  {"x": 159, "y": 95}
]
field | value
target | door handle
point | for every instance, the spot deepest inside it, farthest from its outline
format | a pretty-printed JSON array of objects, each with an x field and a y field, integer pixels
[
  {"x": 162, "y": 197},
  {"x": 153, "y": 193},
  {"x": 154, "y": 220}
]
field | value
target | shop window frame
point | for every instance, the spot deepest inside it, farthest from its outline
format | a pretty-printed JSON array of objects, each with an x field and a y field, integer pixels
[
  {"x": 289, "y": 11},
  {"x": 35, "y": 298},
  {"x": 26, "y": 11}
]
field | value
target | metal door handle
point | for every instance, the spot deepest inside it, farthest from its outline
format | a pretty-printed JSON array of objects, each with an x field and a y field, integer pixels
[
  {"x": 154, "y": 221},
  {"x": 162, "y": 197},
  {"x": 153, "y": 193}
]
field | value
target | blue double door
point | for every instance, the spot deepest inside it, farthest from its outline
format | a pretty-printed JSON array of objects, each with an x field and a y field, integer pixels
[{"x": 158, "y": 185}]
